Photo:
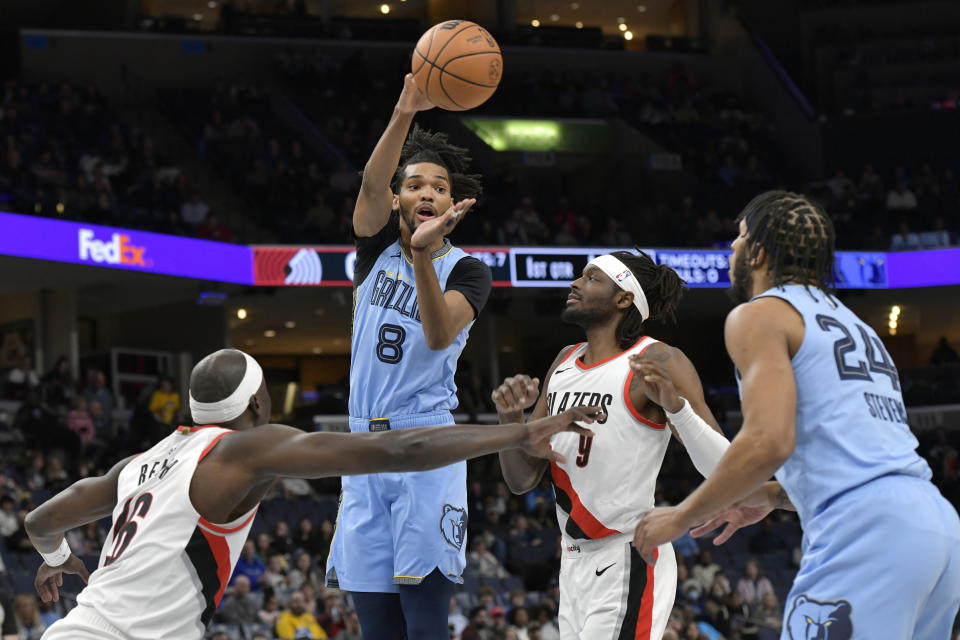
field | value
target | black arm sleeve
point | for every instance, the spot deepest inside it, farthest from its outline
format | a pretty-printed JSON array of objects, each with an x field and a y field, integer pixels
[
  {"x": 473, "y": 279},
  {"x": 370, "y": 248}
]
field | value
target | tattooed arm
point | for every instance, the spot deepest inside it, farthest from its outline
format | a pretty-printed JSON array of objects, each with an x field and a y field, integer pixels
[{"x": 679, "y": 380}]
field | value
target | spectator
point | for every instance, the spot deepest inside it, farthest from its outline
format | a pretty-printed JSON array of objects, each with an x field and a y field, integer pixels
[
  {"x": 8, "y": 622},
  {"x": 282, "y": 542},
  {"x": 944, "y": 353},
  {"x": 250, "y": 566},
  {"x": 9, "y": 521},
  {"x": 455, "y": 618},
  {"x": 479, "y": 627},
  {"x": 29, "y": 625},
  {"x": 766, "y": 540},
  {"x": 269, "y": 613},
  {"x": 307, "y": 539},
  {"x": 753, "y": 586},
  {"x": 900, "y": 198},
  {"x": 546, "y": 616},
  {"x": 58, "y": 386},
  {"x": 295, "y": 622},
  {"x": 213, "y": 230},
  {"x": 275, "y": 576},
  {"x": 21, "y": 379},
  {"x": 239, "y": 606},
  {"x": 97, "y": 391},
  {"x": 484, "y": 562},
  {"x": 303, "y": 572},
  {"x": 705, "y": 570},
  {"x": 518, "y": 618},
  {"x": 194, "y": 212},
  {"x": 331, "y": 618},
  {"x": 769, "y": 614},
  {"x": 80, "y": 422},
  {"x": 165, "y": 403}
]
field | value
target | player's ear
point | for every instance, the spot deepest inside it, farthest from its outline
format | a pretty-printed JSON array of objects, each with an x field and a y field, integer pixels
[
  {"x": 624, "y": 300},
  {"x": 255, "y": 405},
  {"x": 759, "y": 259},
  {"x": 396, "y": 203}
]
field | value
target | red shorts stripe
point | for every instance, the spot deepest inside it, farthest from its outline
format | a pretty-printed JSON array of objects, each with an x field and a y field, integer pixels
[
  {"x": 645, "y": 619},
  {"x": 584, "y": 519}
]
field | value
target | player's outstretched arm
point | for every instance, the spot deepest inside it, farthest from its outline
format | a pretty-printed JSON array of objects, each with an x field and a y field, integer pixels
[
  {"x": 279, "y": 451},
  {"x": 375, "y": 200},
  {"x": 84, "y": 501},
  {"x": 522, "y": 472},
  {"x": 666, "y": 376},
  {"x": 756, "y": 334}
]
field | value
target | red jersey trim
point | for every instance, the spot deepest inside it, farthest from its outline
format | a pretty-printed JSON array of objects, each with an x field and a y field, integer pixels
[
  {"x": 587, "y": 367},
  {"x": 633, "y": 411},
  {"x": 219, "y": 528},
  {"x": 203, "y": 454},
  {"x": 580, "y": 514},
  {"x": 569, "y": 353},
  {"x": 221, "y": 553}
]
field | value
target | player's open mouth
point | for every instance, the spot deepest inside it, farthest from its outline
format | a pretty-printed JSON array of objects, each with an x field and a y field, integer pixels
[{"x": 426, "y": 212}]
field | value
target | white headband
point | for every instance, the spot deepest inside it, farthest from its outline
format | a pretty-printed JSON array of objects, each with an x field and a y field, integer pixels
[
  {"x": 233, "y": 405},
  {"x": 625, "y": 279}
]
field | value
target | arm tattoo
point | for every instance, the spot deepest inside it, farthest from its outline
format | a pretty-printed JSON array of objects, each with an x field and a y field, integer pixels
[
  {"x": 657, "y": 353},
  {"x": 781, "y": 501}
]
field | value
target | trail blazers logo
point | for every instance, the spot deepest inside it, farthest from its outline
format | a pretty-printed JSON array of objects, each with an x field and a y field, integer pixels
[
  {"x": 304, "y": 268},
  {"x": 453, "y": 525}
]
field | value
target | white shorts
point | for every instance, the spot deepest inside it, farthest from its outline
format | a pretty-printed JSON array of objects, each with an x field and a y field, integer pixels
[
  {"x": 83, "y": 623},
  {"x": 607, "y": 591}
]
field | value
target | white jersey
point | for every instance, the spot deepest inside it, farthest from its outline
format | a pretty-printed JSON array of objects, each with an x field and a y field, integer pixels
[
  {"x": 164, "y": 568},
  {"x": 608, "y": 481}
]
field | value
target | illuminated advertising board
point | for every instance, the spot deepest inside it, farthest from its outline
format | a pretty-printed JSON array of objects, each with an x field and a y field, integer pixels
[{"x": 97, "y": 245}]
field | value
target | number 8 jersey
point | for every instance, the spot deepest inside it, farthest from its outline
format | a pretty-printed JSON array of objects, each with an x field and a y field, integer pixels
[
  {"x": 164, "y": 568},
  {"x": 392, "y": 371},
  {"x": 851, "y": 422}
]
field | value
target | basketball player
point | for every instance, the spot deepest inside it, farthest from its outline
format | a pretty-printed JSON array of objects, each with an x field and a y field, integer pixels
[
  {"x": 822, "y": 409},
  {"x": 183, "y": 509},
  {"x": 415, "y": 299},
  {"x": 606, "y": 589}
]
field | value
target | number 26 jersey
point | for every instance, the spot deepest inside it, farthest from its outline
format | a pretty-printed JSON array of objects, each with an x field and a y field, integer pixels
[
  {"x": 392, "y": 370},
  {"x": 164, "y": 568}
]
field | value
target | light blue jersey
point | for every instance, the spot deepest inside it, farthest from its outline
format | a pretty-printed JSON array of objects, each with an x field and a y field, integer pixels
[
  {"x": 851, "y": 421},
  {"x": 881, "y": 546},
  {"x": 392, "y": 371},
  {"x": 395, "y": 529}
]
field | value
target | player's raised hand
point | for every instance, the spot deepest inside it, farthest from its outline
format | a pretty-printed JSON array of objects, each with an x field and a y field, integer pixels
[
  {"x": 411, "y": 98},
  {"x": 655, "y": 381},
  {"x": 516, "y": 393},
  {"x": 434, "y": 229},
  {"x": 50, "y": 579},
  {"x": 540, "y": 431},
  {"x": 750, "y": 510}
]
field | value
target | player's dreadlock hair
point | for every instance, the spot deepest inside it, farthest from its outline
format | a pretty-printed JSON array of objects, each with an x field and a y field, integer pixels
[
  {"x": 662, "y": 286},
  {"x": 797, "y": 235},
  {"x": 428, "y": 146}
]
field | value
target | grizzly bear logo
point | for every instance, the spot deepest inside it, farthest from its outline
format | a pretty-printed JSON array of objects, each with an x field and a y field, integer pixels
[
  {"x": 813, "y": 620},
  {"x": 453, "y": 525}
]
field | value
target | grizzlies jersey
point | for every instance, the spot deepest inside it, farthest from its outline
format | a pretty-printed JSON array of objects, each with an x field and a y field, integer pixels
[
  {"x": 164, "y": 568},
  {"x": 392, "y": 371},
  {"x": 607, "y": 481},
  {"x": 851, "y": 422}
]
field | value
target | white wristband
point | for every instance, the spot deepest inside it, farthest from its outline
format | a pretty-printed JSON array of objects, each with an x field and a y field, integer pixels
[
  {"x": 704, "y": 445},
  {"x": 58, "y": 557}
]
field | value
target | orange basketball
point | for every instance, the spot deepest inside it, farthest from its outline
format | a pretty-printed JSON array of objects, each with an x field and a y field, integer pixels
[{"x": 457, "y": 65}]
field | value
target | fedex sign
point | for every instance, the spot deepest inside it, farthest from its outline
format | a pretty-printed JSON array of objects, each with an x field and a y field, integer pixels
[{"x": 117, "y": 250}]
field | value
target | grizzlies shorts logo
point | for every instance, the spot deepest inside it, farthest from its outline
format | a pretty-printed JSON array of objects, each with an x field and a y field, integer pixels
[
  {"x": 813, "y": 620},
  {"x": 453, "y": 525}
]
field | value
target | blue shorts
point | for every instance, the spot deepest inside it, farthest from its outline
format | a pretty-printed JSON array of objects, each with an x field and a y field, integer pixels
[
  {"x": 396, "y": 528},
  {"x": 880, "y": 561}
]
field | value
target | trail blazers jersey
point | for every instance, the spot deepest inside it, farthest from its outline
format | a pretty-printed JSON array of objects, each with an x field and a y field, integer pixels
[
  {"x": 164, "y": 568},
  {"x": 607, "y": 480}
]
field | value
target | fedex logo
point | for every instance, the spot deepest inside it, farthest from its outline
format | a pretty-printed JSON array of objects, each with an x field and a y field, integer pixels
[{"x": 117, "y": 250}]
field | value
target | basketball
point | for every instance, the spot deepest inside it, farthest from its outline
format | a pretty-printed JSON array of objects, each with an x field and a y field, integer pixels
[{"x": 457, "y": 65}]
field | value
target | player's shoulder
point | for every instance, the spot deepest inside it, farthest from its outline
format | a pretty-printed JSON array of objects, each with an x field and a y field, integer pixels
[
  {"x": 767, "y": 313},
  {"x": 665, "y": 353},
  {"x": 563, "y": 355}
]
